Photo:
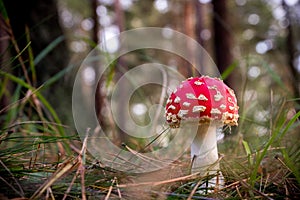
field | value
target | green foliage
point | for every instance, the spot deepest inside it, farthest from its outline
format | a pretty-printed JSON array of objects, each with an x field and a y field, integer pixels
[
  {"x": 229, "y": 70},
  {"x": 3, "y": 11}
]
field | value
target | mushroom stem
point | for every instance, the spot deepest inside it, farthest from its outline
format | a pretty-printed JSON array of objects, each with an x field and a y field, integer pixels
[{"x": 204, "y": 151}]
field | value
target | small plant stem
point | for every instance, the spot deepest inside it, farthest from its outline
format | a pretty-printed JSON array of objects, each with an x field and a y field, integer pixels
[{"x": 15, "y": 44}]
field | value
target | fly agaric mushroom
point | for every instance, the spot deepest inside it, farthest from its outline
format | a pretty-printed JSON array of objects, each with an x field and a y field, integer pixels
[{"x": 210, "y": 104}]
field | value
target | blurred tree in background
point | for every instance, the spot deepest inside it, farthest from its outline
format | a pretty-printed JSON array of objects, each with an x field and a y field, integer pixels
[{"x": 254, "y": 43}]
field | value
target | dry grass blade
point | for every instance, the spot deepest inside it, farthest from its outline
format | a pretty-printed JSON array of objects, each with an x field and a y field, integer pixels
[
  {"x": 66, "y": 167},
  {"x": 194, "y": 190},
  {"x": 142, "y": 157},
  {"x": 80, "y": 170},
  {"x": 21, "y": 192},
  {"x": 147, "y": 159},
  {"x": 110, "y": 189},
  {"x": 118, "y": 189},
  {"x": 70, "y": 187},
  {"x": 255, "y": 191},
  {"x": 156, "y": 183},
  {"x": 29, "y": 94},
  {"x": 49, "y": 192},
  {"x": 238, "y": 191}
]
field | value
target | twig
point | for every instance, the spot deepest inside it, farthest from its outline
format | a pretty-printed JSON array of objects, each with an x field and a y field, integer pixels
[
  {"x": 110, "y": 189},
  {"x": 118, "y": 189},
  {"x": 194, "y": 190},
  {"x": 49, "y": 191},
  {"x": 22, "y": 100},
  {"x": 238, "y": 191},
  {"x": 182, "y": 196},
  {"x": 70, "y": 187},
  {"x": 81, "y": 167},
  {"x": 80, "y": 170},
  {"x": 281, "y": 162},
  {"x": 143, "y": 157},
  {"x": 191, "y": 176},
  {"x": 254, "y": 190},
  {"x": 159, "y": 135},
  {"x": 19, "y": 53},
  {"x": 146, "y": 158},
  {"x": 266, "y": 182},
  {"x": 66, "y": 167}
]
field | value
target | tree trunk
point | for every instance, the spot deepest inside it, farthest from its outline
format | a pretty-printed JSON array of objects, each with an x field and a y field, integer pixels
[
  {"x": 222, "y": 38},
  {"x": 199, "y": 27},
  {"x": 291, "y": 53},
  {"x": 120, "y": 68},
  {"x": 189, "y": 29}
]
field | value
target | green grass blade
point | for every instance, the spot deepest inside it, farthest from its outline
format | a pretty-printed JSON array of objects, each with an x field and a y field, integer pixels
[
  {"x": 229, "y": 70},
  {"x": 58, "y": 76},
  {"x": 289, "y": 162},
  {"x": 31, "y": 57},
  {"x": 289, "y": 124},
  {"x": 42, "y": 99},
  {"x": 248, "y": 151},
  {"x": 3, "y": 86},
  {"x": 3, "y": 11},
  {"x": 278, "y": 134},
  {"x": 21, "y": 52},
  {"x": 12, "y": 113},
  {"x": 273, "y": 75},
  {"x": 48, "y": 49}
]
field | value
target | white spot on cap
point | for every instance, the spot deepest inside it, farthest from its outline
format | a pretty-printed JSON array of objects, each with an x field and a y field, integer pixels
[
  {"x": 215, "y": 111},
  {"x": 214, "y": 87},
  {"x": 169, "y": 101},
  {"x": 202, "y": 97},
  {"x": 171, "y": 107},
  {"x": 199, "y": 108},
  {"x": 182, "y": 113},
  {"x": 231, "y": 107},
  {"x": 198, "y": 82},
  {"x": 177, "y": 100},
  {"x": 231, "y": 92},
  {"x": 218, "y": 96},
  {"x": 190, "y": 96},
  {"x": 227, "y": 115},
  {"x": 186, "y": 104},
  {"x": 222, "y": 106}
]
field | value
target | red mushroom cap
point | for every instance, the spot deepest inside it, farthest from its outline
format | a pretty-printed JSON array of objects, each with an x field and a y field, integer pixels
[{"x": 203, "y": 99}]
